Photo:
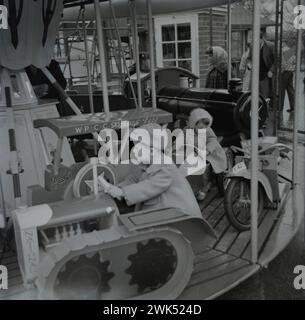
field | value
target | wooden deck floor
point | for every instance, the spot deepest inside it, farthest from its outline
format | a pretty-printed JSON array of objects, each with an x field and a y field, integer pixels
[
  {"x": 221, "y": 267},
  {"x": 228, "y": 262}
]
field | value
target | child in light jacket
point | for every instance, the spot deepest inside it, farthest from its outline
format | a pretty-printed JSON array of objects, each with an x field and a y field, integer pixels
[
  {"x": 215, "y": 154},
  {"x": 160, "y": 185}
]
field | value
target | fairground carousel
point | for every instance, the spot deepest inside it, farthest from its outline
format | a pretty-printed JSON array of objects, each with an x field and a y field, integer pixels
[{"x": 61, "y": 235}]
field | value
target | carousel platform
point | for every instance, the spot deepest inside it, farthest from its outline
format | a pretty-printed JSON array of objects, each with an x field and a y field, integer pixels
[
  {"x": 228, "y": 262},
  {"x": 225, "y": 264}
]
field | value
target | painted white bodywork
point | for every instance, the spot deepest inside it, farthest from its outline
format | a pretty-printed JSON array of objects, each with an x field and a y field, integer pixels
[{"x": 30, "y": 143}]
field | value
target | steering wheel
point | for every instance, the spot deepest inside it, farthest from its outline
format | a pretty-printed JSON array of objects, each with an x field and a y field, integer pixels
[{"x": 84, "y": 178}]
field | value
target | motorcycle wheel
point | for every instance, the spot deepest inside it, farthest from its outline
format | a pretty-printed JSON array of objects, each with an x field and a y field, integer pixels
[{"x": 238, "y": 204}]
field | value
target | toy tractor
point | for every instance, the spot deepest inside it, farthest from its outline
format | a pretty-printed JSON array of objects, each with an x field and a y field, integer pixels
[{"x": 86, "y": 246}]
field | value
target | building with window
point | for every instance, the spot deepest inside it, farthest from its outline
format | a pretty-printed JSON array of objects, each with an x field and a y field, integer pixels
[{"x": 182, "y": 39}]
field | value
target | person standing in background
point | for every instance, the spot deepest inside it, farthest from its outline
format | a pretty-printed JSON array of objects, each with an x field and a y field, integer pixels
[
  {"x": 267, "y": 59},
  {"x": 287, "y": 76},
  {"x": 245, "y": 68},
  {"x": 217, "y": 77}
]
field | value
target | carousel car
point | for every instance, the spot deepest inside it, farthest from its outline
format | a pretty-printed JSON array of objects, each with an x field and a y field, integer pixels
[{"x": 89, "y": 246}]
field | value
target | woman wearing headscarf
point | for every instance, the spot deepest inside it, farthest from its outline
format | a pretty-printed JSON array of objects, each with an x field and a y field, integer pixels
[
  {"x": 218, "y": 72},
  {"x": 245, "y": 68}
]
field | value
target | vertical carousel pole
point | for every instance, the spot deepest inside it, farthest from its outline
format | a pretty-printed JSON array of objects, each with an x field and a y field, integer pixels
[
  {"x": 94, "y": 162},
  {"x": 136, "y": 49},
  {"x": 93, "y": 51},
  {"x": 67, "y": 50},
  {"x": 3, "y": 213},
  {"x": 297, "y": 103},
  {"x": 254, "y": 129},
  {"x": 229, "y": 41},
  {"x": 151, "y": 53},
  {"x": 118, "y": 58},
  {"x": 276, "y": 69},
  {"x": 122, "y": 52},
  {"x": 280, "y": 114},
  {"x": 101, "y": 42},
  {"x": 211, "y": 26},
  {"x": 87, "y": 63}
]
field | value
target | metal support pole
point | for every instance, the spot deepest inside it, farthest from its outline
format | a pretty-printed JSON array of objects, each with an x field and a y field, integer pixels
[
  {"x": 60, "y": 90},
  {"x": 151, "y": 54},
  {"x": 276, "y": 69},
  {"x": 68, "y": 61},
  {"x": 254, "y": 129},
  {"x": 134, "y": 28},
  {"x": 280, "y": 114},
  {"x": 68, "y": 48},
  {"x": 297, "y": 103},
  {"x": 229, "y": 41},
  {"x": 3, "y": 213},
  {"x": 100, "y": 41},
  {"x": 88, "y": 63},
  {"x": 94, "y": 162},
  {"x": 118, "y": 59},
  {"x": 211, "y": 26},
  {"x": 122, "y": 52},
  {"x": 93, "y": 55}
]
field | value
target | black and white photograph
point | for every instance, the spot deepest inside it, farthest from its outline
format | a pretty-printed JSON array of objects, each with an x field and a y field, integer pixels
[{"x": 152, "y": 151}]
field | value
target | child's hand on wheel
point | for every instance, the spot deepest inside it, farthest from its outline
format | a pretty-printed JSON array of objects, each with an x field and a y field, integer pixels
[{"x": 115, "y": 192}]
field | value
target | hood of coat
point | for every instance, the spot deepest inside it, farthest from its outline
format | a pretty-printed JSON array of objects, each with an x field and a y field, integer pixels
[{"x": 199, "y": 114}]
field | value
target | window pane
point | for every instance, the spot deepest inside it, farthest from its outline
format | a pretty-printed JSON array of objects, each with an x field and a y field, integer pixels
[
  {"x": 168, "y": 33},
  {"x": 184, "y": 31},
  {"x": 169, "y": 51},
  {"x": 185, "y": 64},
  {"x": 184, "y": 50},
  {"x": 169, "y": 63}
]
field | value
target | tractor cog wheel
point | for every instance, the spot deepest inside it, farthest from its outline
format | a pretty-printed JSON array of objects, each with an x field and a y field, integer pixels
[
  {"x": 84, "y": 278},
  {"x": 153, "y": 265}
]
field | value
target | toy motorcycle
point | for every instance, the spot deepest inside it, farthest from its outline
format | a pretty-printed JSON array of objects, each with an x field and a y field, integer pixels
[{"x": 237, "y": 193}]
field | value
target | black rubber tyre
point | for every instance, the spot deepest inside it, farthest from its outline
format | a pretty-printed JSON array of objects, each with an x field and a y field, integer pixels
[{"x": 241, "y": 220}]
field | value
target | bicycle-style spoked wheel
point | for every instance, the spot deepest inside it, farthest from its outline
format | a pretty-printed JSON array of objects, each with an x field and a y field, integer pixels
[{"x": 238, "y": 203}]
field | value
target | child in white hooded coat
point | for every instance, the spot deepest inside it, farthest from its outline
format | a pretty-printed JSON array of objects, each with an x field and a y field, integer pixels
[{"x": 215, "y": 154}]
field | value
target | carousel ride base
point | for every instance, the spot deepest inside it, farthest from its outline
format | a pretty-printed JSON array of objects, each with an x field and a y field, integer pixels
[{"x": 227, "y": 262}]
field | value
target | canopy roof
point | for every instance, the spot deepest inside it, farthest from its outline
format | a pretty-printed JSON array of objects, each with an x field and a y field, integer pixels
[
  {"x": 243, "y": 19},
  {"x": 122, "y": 9}
]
